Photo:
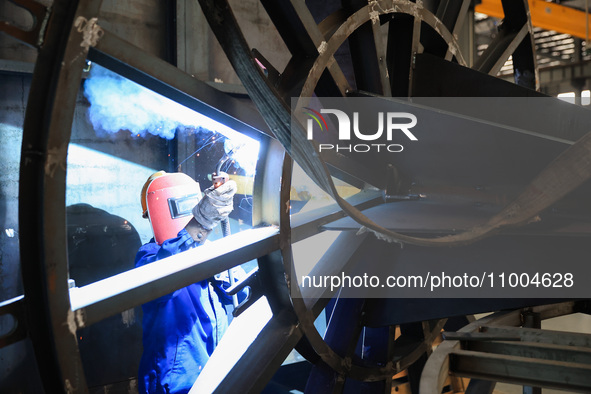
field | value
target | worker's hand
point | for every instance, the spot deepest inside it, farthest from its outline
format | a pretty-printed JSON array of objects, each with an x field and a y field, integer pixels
[{"x": 215, "y": 205}]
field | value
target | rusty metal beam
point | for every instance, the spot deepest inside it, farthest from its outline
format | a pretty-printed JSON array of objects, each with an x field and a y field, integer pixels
[
  {"x": 545, "y": 336},
  {"x": 477, "y": 365},
  {"x": 42, "y": 217},
  {"x": 542, "y": 351},
  {"x": 521, "y": 370},
  {"x": 548, "y": 16}
]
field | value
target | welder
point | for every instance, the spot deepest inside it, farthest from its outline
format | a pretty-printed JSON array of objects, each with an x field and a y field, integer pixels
[{"x": 181, "y": 329}]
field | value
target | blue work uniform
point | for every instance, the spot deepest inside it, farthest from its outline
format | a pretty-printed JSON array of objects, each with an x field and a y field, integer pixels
[{"x": 181, "y": 329}]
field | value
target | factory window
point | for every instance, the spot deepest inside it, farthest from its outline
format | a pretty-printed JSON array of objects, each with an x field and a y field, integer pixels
[
  {"x": 571, "y": 97},
  {"x": 123, "y": 133}
]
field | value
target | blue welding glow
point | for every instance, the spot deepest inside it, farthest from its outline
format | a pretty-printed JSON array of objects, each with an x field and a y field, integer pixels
[
  {"x": 117, "y": 103},
  {"x": 244, "y": 154},
  {"x": 109, "y": 183}
]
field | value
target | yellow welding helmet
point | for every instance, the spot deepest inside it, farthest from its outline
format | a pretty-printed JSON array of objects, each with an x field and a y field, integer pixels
[{"x": 144, "y": 191}]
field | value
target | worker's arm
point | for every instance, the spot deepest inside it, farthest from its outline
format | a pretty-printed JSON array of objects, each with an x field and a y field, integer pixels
[
  {"x": 197, "y": 231},
  {"x": 216, "y": 205}
]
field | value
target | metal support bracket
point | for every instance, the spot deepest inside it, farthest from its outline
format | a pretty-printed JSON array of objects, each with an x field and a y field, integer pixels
[
  {"x": 35, "y": 36},
  {"x": 253, "y": 282},
  {"x": 16, "y": 308}
]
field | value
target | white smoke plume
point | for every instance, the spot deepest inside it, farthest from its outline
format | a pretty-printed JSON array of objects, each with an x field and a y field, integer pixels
[{"x": 117, "y": 103}]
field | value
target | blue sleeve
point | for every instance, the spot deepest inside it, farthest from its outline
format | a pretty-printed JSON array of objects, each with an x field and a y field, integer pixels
[{"x": 152, "y": 252}]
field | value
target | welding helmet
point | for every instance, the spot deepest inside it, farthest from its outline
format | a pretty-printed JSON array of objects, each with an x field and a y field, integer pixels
[{"x": 168, "y": 200}]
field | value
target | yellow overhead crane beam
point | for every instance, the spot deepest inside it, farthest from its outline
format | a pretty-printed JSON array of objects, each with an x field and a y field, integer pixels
[{"x": 548, "y": 16}]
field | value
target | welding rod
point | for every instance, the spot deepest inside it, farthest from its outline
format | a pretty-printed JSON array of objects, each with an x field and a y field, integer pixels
[{"x": 225, "y": 223}]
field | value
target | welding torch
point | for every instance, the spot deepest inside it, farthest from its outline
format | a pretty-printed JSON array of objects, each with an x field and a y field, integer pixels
[{"x": 219, "y": 178}]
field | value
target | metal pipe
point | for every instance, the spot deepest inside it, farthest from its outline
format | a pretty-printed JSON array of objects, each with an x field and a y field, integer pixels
[{"x": 225, "y": 223}]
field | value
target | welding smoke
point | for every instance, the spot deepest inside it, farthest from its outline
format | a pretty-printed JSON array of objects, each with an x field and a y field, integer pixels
[
  {"x": 244, "y": 155},
  {"x": 117, "y": 103}
]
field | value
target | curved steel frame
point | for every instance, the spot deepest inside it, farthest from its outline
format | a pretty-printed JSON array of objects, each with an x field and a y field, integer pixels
[
  {"x": 52, "y": 98},
  {"x": 43, "y": 170},
  {"x": 53, "y": 314},
  {"x": 271, "y": 104}
]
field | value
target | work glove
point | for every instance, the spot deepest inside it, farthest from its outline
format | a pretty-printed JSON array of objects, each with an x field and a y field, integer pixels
[{"x": 215, "y": 205}]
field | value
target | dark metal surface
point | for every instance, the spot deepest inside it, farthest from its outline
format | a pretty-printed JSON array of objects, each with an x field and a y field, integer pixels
[
  {"x": 478, "y": 386},
  {"x": 524, "y": 60},
  {"x": 545, "y": 336},
  {"x": 15, "y": 308},
  {"x": 438, "y": 218},
  {"x": 498, "y": 51},
  {"x": 354, "y": 171},
  {"x": 435, "y": 77},
  {"x": 398, "y": 311},
  {"x": 308, "y": 223},
  {"x": 342, "y": 334},
  {"x": 514, "y": 38},
  {"x": 34, "y": 36},
  {"x": 552, "y": 374},
  {"x": 42, "y": 190},
  {"x": 43, "y": 176},
  {"x": 261, "y": 90},
  {"x": 56, "y": 81},
  {"x": 570, "y": 353},
  {"x": 345, "y": 250},
  {"x": 288, "y": 378},
  {"x": 292, "y": 29},
  {"x": 399, "y": 53},
  {"x": 533, "y": 320},
  {"x": 368, "y": 55},
  {"x": 469, "y": 337}
]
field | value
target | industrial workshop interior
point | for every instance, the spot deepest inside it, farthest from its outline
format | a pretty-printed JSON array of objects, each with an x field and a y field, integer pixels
[{"x": 194, "y": 197}]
